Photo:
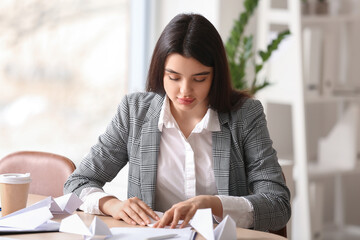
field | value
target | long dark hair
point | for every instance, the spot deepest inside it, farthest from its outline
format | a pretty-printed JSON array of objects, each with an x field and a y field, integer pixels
[{"x": 192, "y": 35}]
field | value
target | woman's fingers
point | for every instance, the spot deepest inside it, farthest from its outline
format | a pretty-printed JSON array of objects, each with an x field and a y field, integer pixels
[
  {"x": 132, "y": 210},
  {"x": 188, "y": 217},
  {"x": 126, "y": 218},
  {"x": 165, "y": 220},
  {"x": 183, "y": 211},
  {"x": 173, "y": 216},
  {"x": 148, "y": 212},
  {"x": 176, "y": 217},
  {"x": 139, "y": 215},
  {"x": 134, "y": 215},
  {"x": 137, "y": 210},
  {"x": 156, "y": 224}
]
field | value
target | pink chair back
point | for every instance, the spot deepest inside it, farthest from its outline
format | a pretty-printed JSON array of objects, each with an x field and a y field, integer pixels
[{"x": 48, "y": 171}]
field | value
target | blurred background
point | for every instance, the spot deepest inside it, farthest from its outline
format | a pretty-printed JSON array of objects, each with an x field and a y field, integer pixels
[
  {"x": 65, "y": 66},
  {"x": 63, "y": 69}
]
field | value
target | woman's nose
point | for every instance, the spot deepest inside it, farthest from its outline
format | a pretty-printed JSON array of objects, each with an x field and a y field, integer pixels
[{"x": 185, "y": 86}]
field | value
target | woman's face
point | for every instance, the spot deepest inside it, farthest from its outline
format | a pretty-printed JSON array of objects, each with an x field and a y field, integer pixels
[{"x": 187, "y": 83}]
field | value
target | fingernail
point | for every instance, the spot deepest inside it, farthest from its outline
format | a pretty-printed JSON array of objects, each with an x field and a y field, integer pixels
[
  {"x": 142, "y": 223},
  {"x": 133, "y": 223},
  {"x": 157, "y": 218}
]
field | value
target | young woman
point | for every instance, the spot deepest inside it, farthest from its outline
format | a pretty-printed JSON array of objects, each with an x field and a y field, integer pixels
[{"x": 191, "y": 142}]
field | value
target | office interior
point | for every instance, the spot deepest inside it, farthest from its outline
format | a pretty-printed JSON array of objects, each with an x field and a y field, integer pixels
[{"x": 64, "y": 67}]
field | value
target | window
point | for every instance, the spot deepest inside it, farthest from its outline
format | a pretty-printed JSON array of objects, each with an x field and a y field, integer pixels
[{"x": 63, "y": 71}]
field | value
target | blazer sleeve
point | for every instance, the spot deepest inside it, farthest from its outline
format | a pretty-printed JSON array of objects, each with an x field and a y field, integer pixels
[
  {"x": 269, "y": 194},
  {"x": 106, "y": 158}
]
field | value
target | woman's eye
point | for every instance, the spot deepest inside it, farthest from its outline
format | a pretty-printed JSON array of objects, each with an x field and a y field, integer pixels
[
  {"x": 199, "y": 79},
  {"x": 173, "y": 78}
]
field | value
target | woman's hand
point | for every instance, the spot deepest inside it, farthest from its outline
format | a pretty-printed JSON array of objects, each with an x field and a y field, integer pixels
[
  {"x": 132, "y": 211},
  {"x": 186, "y": 210}
]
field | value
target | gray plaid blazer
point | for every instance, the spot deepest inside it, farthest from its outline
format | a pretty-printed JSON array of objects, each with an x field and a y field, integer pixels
[{"x": 245, "y": 163}]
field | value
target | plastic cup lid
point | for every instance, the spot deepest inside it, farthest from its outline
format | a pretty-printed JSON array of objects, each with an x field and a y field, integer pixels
[{"x": 15, "y": 178}]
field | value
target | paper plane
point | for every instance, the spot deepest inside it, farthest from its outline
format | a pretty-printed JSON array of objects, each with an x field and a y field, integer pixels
[
  {"x": 37, "y": 216},
  {"x": 97, "y": 230},
  {"x": 33, "y": 218},
  {"x": 66, "y": 204},
  {"x": 202, "y": 222}
]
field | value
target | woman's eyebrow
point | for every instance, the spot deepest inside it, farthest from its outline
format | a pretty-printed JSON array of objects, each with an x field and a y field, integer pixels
[
  {"x": 171, "y": 71},
  {"x": 196, "y": 74},
  {"x": 202, "y": 73}
]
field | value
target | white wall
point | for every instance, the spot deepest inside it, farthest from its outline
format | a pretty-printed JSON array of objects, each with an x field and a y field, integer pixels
[
  {"x": 167, "y": 9},
  {"x": 221, "y": 13}
]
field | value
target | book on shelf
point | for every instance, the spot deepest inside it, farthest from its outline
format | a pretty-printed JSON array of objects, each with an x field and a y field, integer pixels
[
  {"x": 312, "y": 60},
  {"x": 331, "y": 64}
]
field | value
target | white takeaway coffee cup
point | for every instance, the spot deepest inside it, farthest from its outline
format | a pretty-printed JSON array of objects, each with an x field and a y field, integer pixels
[{"x": 14, "y": 190}]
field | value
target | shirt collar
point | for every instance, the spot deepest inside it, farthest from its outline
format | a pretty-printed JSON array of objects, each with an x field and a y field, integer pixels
[{"x": 209, "y": 122}]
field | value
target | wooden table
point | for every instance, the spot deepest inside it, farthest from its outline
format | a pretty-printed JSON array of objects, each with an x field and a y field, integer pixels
[{"x": 87, "y": 218}]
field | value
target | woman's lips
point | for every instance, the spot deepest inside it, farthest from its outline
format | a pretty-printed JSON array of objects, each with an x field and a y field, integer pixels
[{"x": 185, "y": 101}]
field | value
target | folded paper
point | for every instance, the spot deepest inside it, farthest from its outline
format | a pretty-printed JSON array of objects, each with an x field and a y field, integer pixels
[
  {"x": 202, "y": 222},
  {"x": 48, "y": 226},
  {"x": 26, "y": 219},
  {"x": 97, "y": 230},
  {"x": 36, "y": 217},
  {"x": 226, "y": 230},
  {"x": 66, "y": 204},
  {"x": 31, "y": 219}
]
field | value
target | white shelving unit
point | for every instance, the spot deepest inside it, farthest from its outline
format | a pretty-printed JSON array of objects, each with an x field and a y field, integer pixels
[{"x": 312, "y": 72}]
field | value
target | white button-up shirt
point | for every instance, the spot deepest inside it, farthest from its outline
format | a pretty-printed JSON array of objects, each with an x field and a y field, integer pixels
[
  {"x": 184, "y": 170},
  {"x": 185, "y": 164}
]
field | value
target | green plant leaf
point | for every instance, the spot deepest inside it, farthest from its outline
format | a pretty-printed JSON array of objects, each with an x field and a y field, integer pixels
[
  {"x": 258, "y": 67},
  {"x": 237, "y": 31},
  {"x": 263, "y": 55},
  {"x": 258, "y": 87},
  {"x": 239, "y": 49},
  {"x": 273, "y": 45}
]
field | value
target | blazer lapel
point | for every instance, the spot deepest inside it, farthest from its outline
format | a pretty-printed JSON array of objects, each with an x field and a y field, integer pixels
[
  {"x": 149, "y": 149},
  {"x": 221, "y": 156}
]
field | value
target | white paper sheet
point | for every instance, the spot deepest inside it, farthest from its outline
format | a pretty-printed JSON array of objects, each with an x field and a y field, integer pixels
[
  {"x": 147, "y": 232},
  {"x": 153, "y": 221},
  {"x": 99, "y": 230},
  {"x": 160, "y": 214}
]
